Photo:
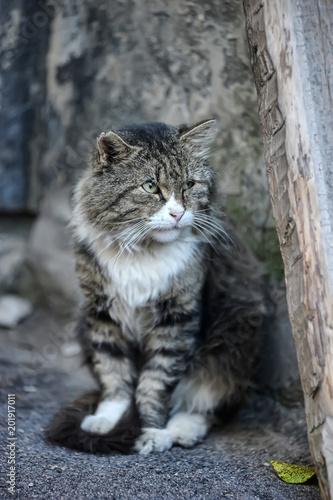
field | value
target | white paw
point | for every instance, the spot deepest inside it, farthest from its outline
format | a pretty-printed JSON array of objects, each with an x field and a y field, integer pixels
[
  {"x": 153, "y": 440},
  {"x": 187, "y": 429},
  {"x": 96, "y": 424},
  {"x": 108, "y": 413}
]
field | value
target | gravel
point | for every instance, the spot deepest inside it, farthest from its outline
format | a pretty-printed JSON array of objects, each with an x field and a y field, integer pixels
[{"x": 231, "y": 463}]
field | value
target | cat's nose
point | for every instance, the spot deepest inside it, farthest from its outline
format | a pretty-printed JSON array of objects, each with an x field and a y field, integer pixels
[{"x": 177, "y": 213}]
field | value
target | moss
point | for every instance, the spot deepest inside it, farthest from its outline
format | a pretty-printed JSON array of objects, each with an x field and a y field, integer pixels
[
  {"x": 262, "y": 239},
  {"x": 268, "y": 251}
]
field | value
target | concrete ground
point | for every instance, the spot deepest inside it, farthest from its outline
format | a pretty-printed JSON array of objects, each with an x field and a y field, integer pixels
[{"x": 41, "y": 366}]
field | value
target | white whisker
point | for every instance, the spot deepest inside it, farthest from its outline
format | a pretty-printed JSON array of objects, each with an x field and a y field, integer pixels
[
  {"x": 214, "y": 224},
  {"x": 205, "y": 236},
  {"x": 125, "y": 233},
  {"x": 131, "y": 235},
  {"x": 131, "y": 239},
  {"x": 204, "y": 210},
  {"x": 213, "y": 229},
  {"x": 101, "y": 251},
  {"x": 130, "y": 220}
]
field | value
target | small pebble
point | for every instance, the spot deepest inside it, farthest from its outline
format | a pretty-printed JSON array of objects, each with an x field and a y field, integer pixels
[
  {"x": 29, "y": 388},
  {"x": 71, "y": 349},
  {"x": 13, "y": 309}
]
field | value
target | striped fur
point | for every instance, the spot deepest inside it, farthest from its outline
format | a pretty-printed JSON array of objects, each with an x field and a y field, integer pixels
[{"x": 171, "y": 314}]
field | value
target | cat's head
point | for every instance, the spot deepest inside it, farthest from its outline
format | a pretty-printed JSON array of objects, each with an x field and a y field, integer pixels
[{"x": 148, "y": 182}]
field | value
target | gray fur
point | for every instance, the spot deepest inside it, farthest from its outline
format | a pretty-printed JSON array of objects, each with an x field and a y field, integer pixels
[{"x": 190, "y": 343}]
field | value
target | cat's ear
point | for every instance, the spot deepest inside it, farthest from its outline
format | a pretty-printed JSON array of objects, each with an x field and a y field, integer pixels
[
  {"x": 198, "y": 138},
  {"x": 111, "y": 147}
]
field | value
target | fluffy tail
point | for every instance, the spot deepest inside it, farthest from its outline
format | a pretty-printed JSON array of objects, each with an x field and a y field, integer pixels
[{"x": 65, "y": 428}]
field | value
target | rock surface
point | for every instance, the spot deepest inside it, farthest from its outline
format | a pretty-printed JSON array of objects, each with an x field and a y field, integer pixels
[
  {"x": 12, "y": 260},
  {"x": 13, "y": 309},
  {"x": 51, "y": 255}
]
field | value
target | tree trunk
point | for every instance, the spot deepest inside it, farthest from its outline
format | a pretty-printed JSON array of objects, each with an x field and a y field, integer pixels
[{"x": 292, "y": 60}]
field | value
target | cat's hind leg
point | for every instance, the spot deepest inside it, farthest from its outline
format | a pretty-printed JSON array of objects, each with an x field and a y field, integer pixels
[
  {"x": 195, "y": 400},
  {"x": 187, "y": 429}
]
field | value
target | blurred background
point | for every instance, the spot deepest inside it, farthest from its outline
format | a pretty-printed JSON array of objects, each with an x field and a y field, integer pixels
[{"x": 71, "y": 69}]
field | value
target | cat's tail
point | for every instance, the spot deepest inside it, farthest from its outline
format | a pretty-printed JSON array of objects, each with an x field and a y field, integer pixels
[{"x": 65, "y": 428}]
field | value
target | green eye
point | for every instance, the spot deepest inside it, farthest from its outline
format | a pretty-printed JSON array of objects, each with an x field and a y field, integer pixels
[
  {"x": 187, "y": 185},
  {"x": 150, "y": 187}
]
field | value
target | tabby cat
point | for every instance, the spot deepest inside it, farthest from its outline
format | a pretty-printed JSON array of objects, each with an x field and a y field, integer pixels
[{"x": 171, "y": 314}]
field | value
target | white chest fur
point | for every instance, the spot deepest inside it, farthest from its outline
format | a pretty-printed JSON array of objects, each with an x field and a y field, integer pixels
[{"x": 143, "y": 275}]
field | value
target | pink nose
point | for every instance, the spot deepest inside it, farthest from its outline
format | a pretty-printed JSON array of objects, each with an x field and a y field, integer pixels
[{"x": 177, "y": 214}]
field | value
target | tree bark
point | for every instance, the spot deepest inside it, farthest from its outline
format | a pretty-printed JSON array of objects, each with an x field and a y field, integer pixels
[{"x": 292, "y": 59}]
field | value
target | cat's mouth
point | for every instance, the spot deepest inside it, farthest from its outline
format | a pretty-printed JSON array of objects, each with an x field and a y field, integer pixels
[{"x": 166, "y": 234}]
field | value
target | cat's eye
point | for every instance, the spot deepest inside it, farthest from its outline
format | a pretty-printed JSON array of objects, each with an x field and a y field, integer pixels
[
  {"x": 150, "y": 187},
  {"x": 187, "y": 185}
]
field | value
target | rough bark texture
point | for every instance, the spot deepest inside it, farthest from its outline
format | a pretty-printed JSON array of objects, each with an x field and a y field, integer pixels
[{"x": 292, "y": 59}]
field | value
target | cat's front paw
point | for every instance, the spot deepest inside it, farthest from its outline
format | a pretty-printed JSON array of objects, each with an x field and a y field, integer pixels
[
  {"x": 96, "y": 424},
  {"x": 152, "y": 440}
]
